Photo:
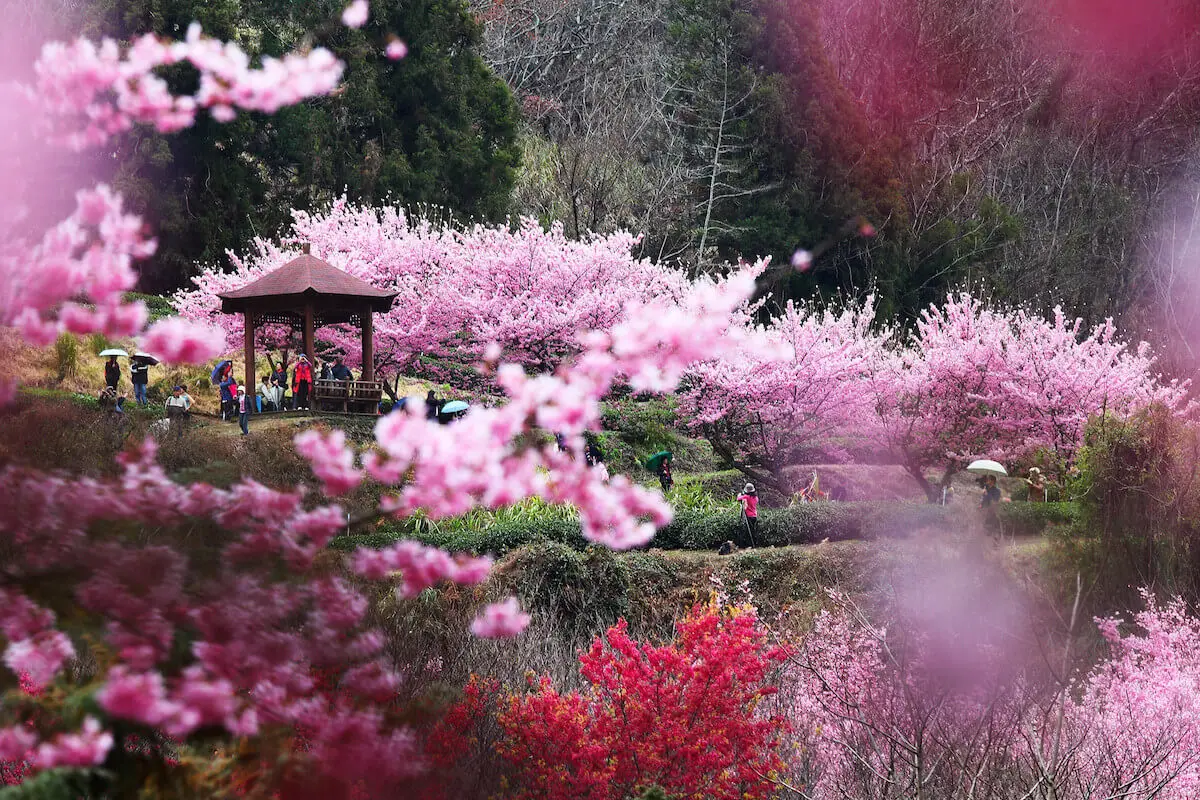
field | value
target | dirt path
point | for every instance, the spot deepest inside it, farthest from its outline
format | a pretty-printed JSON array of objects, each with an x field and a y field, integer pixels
[{"x": 260, "y": 422}]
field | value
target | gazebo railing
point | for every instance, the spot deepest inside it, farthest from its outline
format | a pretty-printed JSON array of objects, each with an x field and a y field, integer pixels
[{"x": 348, "y": 397}]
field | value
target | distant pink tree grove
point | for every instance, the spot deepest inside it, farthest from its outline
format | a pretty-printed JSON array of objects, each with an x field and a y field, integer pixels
[
  {"x": 977, "y": 381},
  {"x": 527, "y": 289},
  {"x": 969, "y": 381}
]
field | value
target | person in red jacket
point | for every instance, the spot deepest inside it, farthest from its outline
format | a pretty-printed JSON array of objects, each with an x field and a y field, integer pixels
[
  {"x": 749, "y": 500},
  {"x": 301, "y": 382}
]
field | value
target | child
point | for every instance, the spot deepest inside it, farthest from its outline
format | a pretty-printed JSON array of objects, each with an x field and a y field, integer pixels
[
  {"x": 243, "y": 409},
  {"x": 749, "y": 500}
]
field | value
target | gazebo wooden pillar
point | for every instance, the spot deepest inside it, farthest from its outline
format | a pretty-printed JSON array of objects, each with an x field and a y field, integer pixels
[
  {"x": 368, "y": 345},
  {"x": 307, "y": 293}
]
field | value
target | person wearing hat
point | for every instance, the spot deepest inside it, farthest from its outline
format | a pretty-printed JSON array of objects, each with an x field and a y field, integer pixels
[
  {"x": 302, "y": 379},
  {"x": 1037, "y": 486},
  {"x": 243, "y": 409},
  {"x": 749, "y": 500}
]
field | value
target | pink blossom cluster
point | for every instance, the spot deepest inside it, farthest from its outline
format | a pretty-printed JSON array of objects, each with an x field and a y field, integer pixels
[
  {"x": 355, "y": 15},
  {"x": 256, "y": 628},
  {"x": 91, "y": 92},
  {"x": 88, "y": 255},
  {"x": 500, "y": 620},
  {"x": 1141, "y": 704},
  {"x": 86, "y": 748}
]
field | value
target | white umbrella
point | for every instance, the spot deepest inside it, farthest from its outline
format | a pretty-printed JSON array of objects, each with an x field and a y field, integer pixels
[
  {"x": 987, "y": 467},
  {"x": 145, "y": 358},
  {"x": 114, "y": 351}
]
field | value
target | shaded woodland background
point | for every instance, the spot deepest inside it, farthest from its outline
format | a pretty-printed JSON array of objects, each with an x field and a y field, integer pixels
[{"x": 1043, "y": 152}]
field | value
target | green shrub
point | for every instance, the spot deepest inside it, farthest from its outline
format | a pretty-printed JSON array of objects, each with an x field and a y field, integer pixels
[
  {"x": 586, "y": 589},
  {"x": 805, "y": 523},
  {"x": 1139, "y": 506},
  {"x": 1032, "y": 519}
]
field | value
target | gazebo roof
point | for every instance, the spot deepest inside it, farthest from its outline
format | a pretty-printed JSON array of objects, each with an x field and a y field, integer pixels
[{"x": 305, "y": 279}]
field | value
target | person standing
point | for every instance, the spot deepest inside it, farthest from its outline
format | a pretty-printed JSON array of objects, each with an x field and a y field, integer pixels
[
  {"x": 228, "y": 393},
  {"x": 1037, "y": 486},
  {"x": 302, "y": 379},
  {"x": 664, "y": 474},
  {"x": 139, "y": 376},
  {"x": 178, "y": 407},
  {"x": 326, "y": 373},
  {"x": 991, "y": 493},
  {"x": 432, "y": 405},
  {"x": 112, "y": 373},
  {"x": 243, "y": 409},
  {"x": 280, "y": 382},
  {"x": 749, "y": 500}
]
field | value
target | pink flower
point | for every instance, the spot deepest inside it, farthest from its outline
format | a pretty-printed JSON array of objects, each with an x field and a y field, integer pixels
[
  {"x": 87, "y": 748},
  {"x": 500, "y": 620},
  {"x": 396, "y": 50},
  {"x": 801, "y": 260},
  {"x": 355, "y": 15},
  {"x": 139, "y": 697},
  {"x": 178, "y": 341},
  {"x": 332, "y": 462},
  {"x": 41, "y": 657},
  {"x": 15, "y": 743}
]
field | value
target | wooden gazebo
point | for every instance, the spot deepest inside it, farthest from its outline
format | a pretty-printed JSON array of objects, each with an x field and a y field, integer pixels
[{"x": 308, "y": 293}]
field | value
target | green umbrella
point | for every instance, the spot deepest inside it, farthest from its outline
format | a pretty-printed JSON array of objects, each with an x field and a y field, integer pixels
[{"x": 653, "y": 461}]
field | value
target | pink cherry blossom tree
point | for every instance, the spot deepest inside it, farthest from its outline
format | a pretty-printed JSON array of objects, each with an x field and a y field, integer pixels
[
  {"x": 796, "y": 387},
  {"x": 973, "y": 381},
  {"x": 527, "y": 289}
]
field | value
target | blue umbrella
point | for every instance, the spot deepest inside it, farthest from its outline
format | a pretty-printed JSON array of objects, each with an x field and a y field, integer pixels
[
  {"x": 215, "y": 378},
  {"x": 454, "y": 406}
]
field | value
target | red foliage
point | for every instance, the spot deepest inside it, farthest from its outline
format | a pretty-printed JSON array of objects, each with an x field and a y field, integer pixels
[{"x": 683, "y": 717}]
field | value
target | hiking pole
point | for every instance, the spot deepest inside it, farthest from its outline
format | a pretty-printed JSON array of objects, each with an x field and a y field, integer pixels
[{"x": 749, "y": 532}]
